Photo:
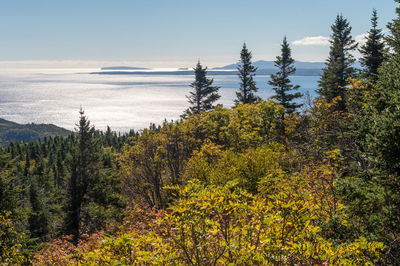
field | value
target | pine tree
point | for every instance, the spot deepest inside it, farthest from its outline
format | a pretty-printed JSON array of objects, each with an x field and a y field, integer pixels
[
  {"x": 339, "y": 64},
  {"x": 280, "y": 81},
  {"x": 373, "y": 51},
  {"x": 204, "y": 94},
  {"x": 84, "y": 166},
  {"x": 246, "y": 75}
]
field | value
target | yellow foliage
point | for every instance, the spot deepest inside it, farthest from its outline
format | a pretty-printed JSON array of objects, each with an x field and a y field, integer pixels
[
  {"x": 10, "y": 242},
  {"x": 232, "y": 194},
  {"x": 216, "y": 225}
]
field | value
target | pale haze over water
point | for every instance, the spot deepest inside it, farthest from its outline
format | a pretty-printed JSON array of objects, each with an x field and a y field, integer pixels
[{"x": 121, "y": 101}]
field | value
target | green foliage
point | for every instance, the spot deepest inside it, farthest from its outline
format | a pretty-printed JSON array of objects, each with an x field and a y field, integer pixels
[
  {"x": 382, "y": 134},
  {"x": 34, "y": 183},
  {"x": 11, "y": 243},
  {"x": 373, "y": 51},
  {"x": 204, "y": 94},
  {"x": 84, "y": 167},
  {"x": 339, "y": 64},
  {"x": 39, "y": 216},
  {"x": 212, "y": 165},
  {"x": 246, "y": 75},
  {"x": 219, "y": 225},
  {"x": 8, "y": 192},
  {"x": 280, "y": 81},
  {"x": 13, "y": 132},
  {"x": 227, "y": 186},
  {"x": 158, "y": 158},
  {"x": 393, "y": 39},
  {"x": 242, "y": 127},
  {"x": 89, "y": 193}
]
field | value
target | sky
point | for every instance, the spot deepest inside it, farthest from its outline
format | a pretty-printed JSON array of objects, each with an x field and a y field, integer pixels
[{"x": 173, "y": 33}]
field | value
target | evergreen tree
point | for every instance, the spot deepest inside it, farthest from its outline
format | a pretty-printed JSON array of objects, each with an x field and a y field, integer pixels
[
  {"x": 339, "y": 64},
  {"x": 8, "y": 192},
  {"x": 280, "y": 81},
  {"x": 381, "y": 117},
  {"x": 39, "y": 218},
  {"x": 84, "y": 167},
  {"x": 393, "y": 39},
  {"x": 373, "y": 51},
  {"x": 246, "y": 75},
  {"x": 204, "y": 94}
]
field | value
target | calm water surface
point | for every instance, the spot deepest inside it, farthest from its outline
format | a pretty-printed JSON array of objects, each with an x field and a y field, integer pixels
[{"x": 120, "y": 101}]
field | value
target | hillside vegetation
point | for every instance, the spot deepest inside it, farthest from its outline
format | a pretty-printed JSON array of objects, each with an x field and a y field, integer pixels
[
  {"x": 13, "y": 132},
  {"x": 267, "y": 182}
]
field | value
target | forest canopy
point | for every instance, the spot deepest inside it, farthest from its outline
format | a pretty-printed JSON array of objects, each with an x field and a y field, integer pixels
[{"x": 263, "y": 183}]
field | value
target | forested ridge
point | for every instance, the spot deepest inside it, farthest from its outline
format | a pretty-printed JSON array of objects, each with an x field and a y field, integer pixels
[
  {"x": 14, "y": 132},
  {"x": 268, "y": 182}
]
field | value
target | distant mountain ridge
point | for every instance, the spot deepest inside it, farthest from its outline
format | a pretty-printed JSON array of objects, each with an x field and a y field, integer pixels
[
  {"x": 14, "y": 132},
  {"x": 124, "y": 68},
  {"x": 264, "y": 68},
  {"x": 211, "y": 72},
  {"x": 262, "y": 65}
]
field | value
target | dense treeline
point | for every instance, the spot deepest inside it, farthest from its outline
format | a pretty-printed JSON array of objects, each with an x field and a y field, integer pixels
[
  {"x": 35, "y": 185},
  {"x": 261, "y": 183}
]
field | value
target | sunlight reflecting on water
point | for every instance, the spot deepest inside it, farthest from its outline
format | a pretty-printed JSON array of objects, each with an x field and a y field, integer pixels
[{"x": 120, "y": 101}]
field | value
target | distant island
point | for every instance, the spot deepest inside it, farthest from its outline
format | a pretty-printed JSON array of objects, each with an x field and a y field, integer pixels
[
  {"x": 212, "y": 72},
  {"x": 14, "y": 132},
  {"x": 263, "y": 68},
  {"x": 124, "y": 68},
  {"x": 300, "y": 65},
  {"x": 262, "y": 64}
]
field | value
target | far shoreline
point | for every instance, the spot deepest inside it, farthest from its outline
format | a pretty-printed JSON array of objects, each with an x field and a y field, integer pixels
[{"x": 299, "y": 72}]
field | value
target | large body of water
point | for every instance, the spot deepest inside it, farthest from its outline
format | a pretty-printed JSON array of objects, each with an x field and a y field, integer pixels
[{"x": 120, "y": 101}]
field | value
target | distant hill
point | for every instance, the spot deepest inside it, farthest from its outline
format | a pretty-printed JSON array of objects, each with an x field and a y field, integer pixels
[
  {"x": 262, "y": 64},
  {"x": 212, "y": 72},
  {"x": 123, "y": 68},
  {"x": 11, "y": 131},
  {"x": 264, "y": 68},
  {"x": 270, "y": 65}
]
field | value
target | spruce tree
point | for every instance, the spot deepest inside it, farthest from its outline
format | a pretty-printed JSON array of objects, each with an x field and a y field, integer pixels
[
  {"x": 8, "y": 192},
  {"x": 339, "y": 63},
  {"x": 280, "y": 81},
  {"x": 84, "y": 167},
  {"x": 373, "y": 51},
  {"x": 393, "y": 39},
  {"x": 246, "y": 75},
  {"x": 38, "y": 218},
  {"x": 204, "y": 94}
]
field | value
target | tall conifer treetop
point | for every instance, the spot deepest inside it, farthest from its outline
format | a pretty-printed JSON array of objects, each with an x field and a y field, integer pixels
[
  {"x": 393, "y": 39},
  {"x": 204, "y": 95},
  {"x": 280, "y": 81},
  {"x": 373, "y": 51},
  {"x": 339, "y": 63},
  {"x": 247, "y": 71},
  {"x": 84, "y": 165}
]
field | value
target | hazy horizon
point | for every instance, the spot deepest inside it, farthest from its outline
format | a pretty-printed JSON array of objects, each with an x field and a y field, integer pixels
[
  {"x": 173, "y": 33},
  {"x": 91, "y": 64}
]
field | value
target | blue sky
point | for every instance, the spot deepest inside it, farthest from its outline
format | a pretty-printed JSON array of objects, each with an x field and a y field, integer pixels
[{"x": 169, "y": 33}]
